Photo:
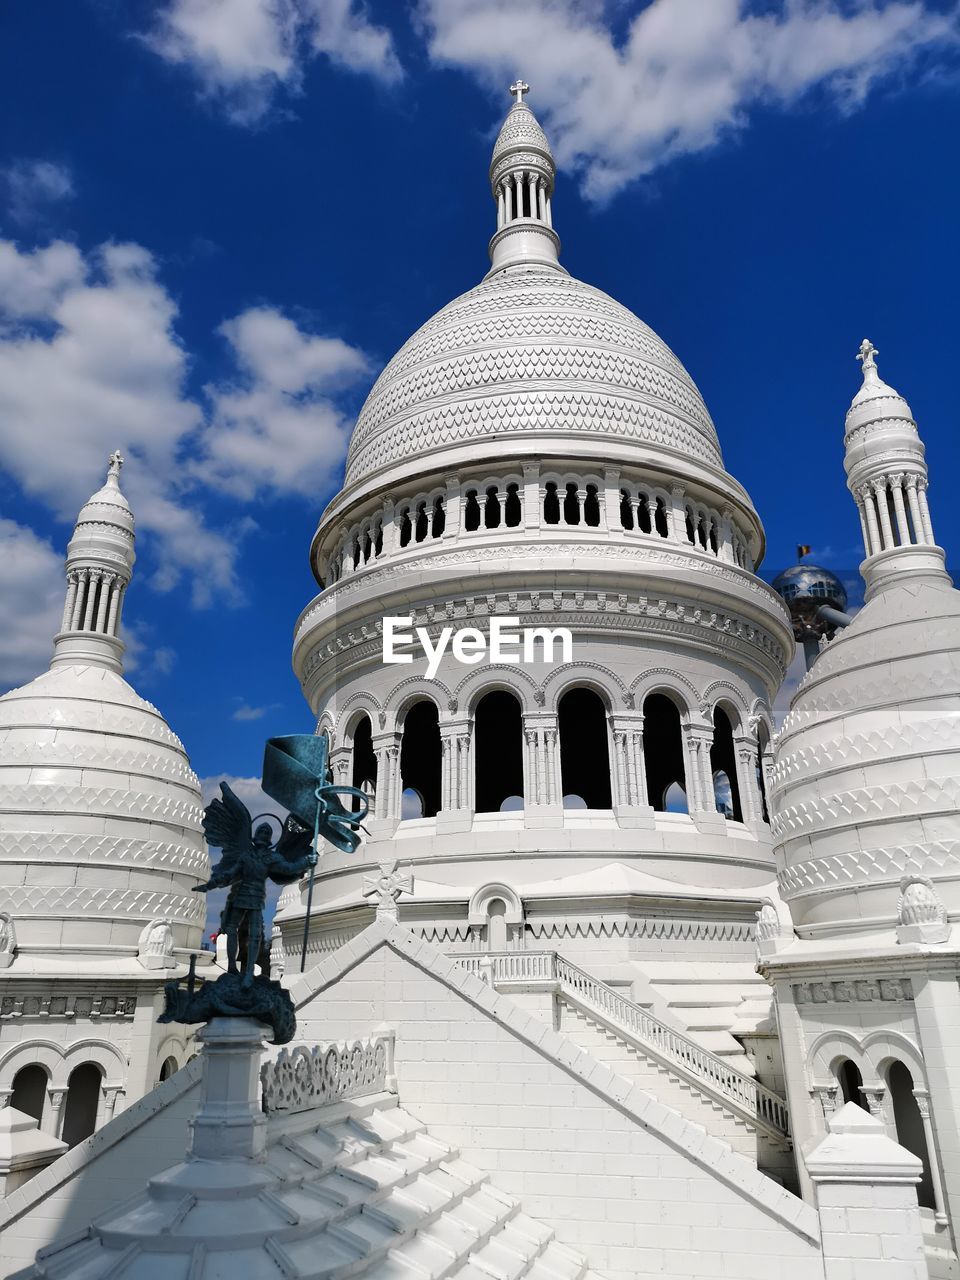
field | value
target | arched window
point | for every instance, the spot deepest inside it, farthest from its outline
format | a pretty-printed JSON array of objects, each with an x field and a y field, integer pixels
[
  {"x": 378, "y": 543},
  {"x": 471, "y": 512},
  {"x": 83, "y": 1099},
  {"x": 723, "y": 766},
  {"x": 714, "y": 538},
  {"x": 571, "y": 505},
  {"x": 406, "y": 527},
  {"x": 512, "y": 509},
  {"x": 364, "y": 775},
  {"x": 439, "y": 521},
  {"x": 423, "y": 523},
  {"x": 910, "y": 1131},
  {"x": 367, "y": 545},
  {"x": 626, "y": 510},
  {"x": 551, "y": 504},
  {"x": 168, "y": 1068},
  {"x": 850, "y": 1081},
  {"x": 690, "y": 526},
  {"x": 491, "y": 508},
  {"x": 661, "y": 519},
  {"x": 498, "y": 750},
  {"x": 663, "y": 755},
  {"x": 584, "y": 750},
  {"x": 591, "y": 507},
  {"x": 30, "y": 1091},
  {"x": 420, "y": 759}
]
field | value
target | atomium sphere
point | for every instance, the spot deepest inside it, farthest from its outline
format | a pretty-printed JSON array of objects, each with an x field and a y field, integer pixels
[{"x": 804, "y": 588}]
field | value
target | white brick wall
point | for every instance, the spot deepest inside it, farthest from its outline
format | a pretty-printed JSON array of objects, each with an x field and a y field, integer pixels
[{"x": 631, "y": 1184}]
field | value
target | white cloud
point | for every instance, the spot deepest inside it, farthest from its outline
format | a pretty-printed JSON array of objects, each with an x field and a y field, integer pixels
[
  {"x": 32, "y": 186},
  {"x": 243, "y": 712},
  {"x": 685, "y": 73},
  {"x": 32, "y": 589},
  {"x": 90, "y": 360},
  {"x": 276, "y": 428},
  {"x": 243, "y": 51}
]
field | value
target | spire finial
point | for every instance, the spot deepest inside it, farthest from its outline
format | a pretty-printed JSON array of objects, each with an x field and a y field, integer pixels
[
  {"x": 518, "y": 89},
  {"x": 867, "y": 356},
  {"x": 116, "y": 462}
]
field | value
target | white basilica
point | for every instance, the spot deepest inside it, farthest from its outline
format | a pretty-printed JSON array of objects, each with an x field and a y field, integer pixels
[{"x": 620, "y": 982}]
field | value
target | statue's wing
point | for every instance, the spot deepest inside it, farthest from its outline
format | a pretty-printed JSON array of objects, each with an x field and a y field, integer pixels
[{"x": 226, "y": 823}]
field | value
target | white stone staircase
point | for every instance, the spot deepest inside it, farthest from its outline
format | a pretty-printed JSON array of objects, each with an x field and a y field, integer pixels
[
  {"x": 714, "y": 1002},
  {"x": 702, "y": 1086}
]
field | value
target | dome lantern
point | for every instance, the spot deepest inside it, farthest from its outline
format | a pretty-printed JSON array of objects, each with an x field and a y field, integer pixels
[
  {"x": 99, "y": 564},
  {"x": 887, "y": 475},
  {"x": 522, "y": 176}
]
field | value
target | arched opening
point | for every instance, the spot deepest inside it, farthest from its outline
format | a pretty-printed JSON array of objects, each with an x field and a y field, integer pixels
[
  {"x": 423, "y": 523},
  {"x": 30, "y": 1091},
  {"x": 663, "y": 755},
  {"x": 498, "y": 750},
  {"x": 512, "y": 509},
  {"x": 551, "y": 504},
  {"x": 626, "y": 510},
  {"x": 661, "y": 518},
  {"x": 378, "y": 542},
  {"x": 420, "y": 758},
  {"x": 364, "y": 775},
  {"x": 471, "y": 512},
  {"x": 571, "y": 505},
  {"x": 675, "y": 799},
  {"x": 491, "y": 508},
  {"x": 406, "y": 527},
  {"x": 723, "y": 766},
  {"x": 584, "y": 750},
  {"x": 367, "y": 545},
  {"x": 496, "y": 925},
  {"x": 910, "y": 1131},
  {"x": 591, "y": 507},
  {"x": 689, "y": 525},
  {"x": 850, "y": 1081},
  {"x": 167, "y": 1069},
  {"x": 83, "y": 1099},
  {"x": 439, "y": 520}
]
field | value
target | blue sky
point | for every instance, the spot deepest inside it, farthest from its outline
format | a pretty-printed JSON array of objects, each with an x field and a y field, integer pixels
[{"x": 218, "y": 218}]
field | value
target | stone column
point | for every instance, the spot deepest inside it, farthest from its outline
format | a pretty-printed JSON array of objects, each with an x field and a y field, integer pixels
[
  {"x": 867, "y": 498},
  {"x": 678, "y": 516},
  {"x": 919, "y": 533},
  {"x": 53, "y": 1115},
  {"x": 630, "y": 792},
  {"x": 611, "y": 497},
  {"x": 863, "y": 527},
  {"x": 903, "y": 528},
  {"x": 925, "y": 510},
  {"x": 70, "y": 601},
  {"x": 93, "y": 579},
  {"x": 726, "y": 536},
  {"x": 83, "y": 578},
  {"x": 452, "y": 505},
  {"x": 880, "y": 489},
  {"x": 750, "y": 803},
  {"x": 923, "y": 1105},
  {"x": 866, "y": 1195},
  {"x": 531, "y": 495},
  {"x": 936, "y": 1002},
  {"x": 456, "y": 790}
]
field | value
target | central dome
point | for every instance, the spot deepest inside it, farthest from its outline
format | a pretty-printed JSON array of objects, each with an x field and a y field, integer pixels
[{"x": 531, "y": 360}]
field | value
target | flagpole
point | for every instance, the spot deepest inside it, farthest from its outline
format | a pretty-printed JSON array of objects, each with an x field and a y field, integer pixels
[{"x": 313, "y": 867}]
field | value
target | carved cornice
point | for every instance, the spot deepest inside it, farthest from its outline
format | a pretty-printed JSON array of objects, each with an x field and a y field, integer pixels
[
  {"x": 852, "y": 991},
  {"x": 69, "y": 1006}
]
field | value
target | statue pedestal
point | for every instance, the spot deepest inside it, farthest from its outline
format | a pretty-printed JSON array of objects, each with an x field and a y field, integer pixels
[{"x": 230, "y": 1124}]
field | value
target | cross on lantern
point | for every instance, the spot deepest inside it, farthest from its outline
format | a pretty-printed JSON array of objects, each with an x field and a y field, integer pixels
[
  {"x": 519, "y": 88},
  {"x": 867, "y": 354}
]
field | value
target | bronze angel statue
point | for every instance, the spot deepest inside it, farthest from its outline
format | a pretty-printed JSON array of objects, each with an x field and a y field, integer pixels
[{"x": 250, "y": 858}]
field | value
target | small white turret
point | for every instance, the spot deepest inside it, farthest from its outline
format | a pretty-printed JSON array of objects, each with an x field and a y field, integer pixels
[
  {"x": 887, "y": 475},
  {"x": 99, "y": 565},
  {"x": 522, "y": 176}
]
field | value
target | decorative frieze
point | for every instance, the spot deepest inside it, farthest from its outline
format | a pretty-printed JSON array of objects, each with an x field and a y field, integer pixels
[
  {"x": 303, "y": 1078},
  {"x": 94, "y": 1005},
  {"x": 852, "y": 990}
]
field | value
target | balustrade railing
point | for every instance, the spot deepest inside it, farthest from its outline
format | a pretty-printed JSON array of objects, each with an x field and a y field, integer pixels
[{"x": 666, "y": 1043}]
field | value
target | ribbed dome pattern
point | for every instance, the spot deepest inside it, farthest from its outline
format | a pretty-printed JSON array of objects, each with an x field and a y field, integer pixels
[
  {"x": 527, "y": 358},
  {"x": 99, "y": 814},
  {"x": 865, "y": 789}
]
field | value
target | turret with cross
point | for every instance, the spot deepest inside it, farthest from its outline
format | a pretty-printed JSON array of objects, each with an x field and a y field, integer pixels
[{"x": 518, "y": 89}]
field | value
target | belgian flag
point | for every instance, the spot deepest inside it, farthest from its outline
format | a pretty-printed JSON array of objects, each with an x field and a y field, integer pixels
[{"x": 803, "y": 550}]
